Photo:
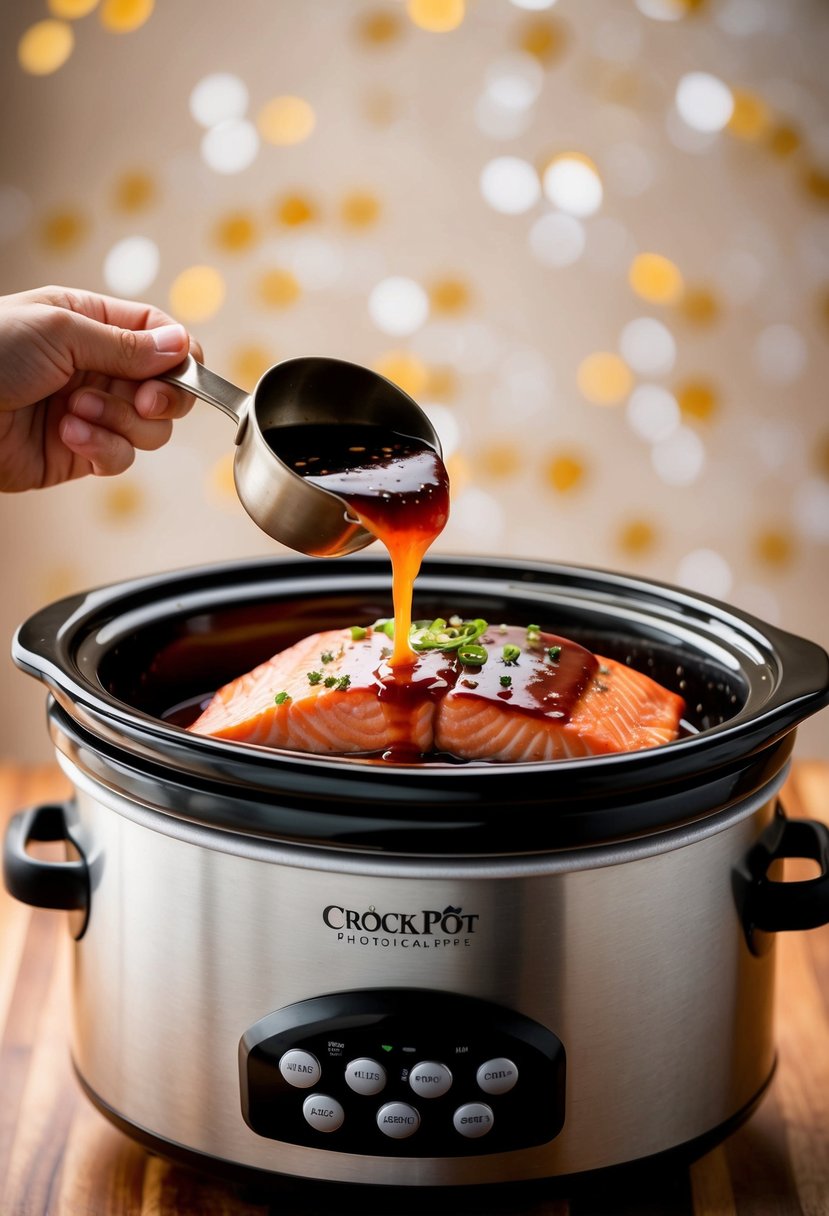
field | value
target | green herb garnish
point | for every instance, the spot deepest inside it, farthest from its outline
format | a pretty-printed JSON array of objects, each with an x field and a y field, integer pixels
[
  {"x": 506, "y": 681},
  {"x": 358, "y": 633},
  {"x": 533, "y": 634},
  {"x": 343, "y": 683},
  {"x": 384, "y": 625},
  {"x": 472, "y": 655},
  {"x": 326, "y": 657},
  {"x": 329, "y": 681},
  {"x": 438, "y": 635},
  {"x": 511, "y": 654},
  {"x": 314, "y": 677},
  {"x": 281, "y": 698},
  {"x": 555, "y": 653}
]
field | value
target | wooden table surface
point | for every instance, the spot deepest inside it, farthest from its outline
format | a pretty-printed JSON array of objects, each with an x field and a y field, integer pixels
[{"x": 59, "y": 1157}]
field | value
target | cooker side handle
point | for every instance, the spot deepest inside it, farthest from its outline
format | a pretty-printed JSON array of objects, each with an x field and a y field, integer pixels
[
  {"x": 44, "y": 884},
  {"x": 777, "y": 906}
]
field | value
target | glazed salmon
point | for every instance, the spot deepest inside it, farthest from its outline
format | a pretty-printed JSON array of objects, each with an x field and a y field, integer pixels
[{"x": 548, "y": 699}]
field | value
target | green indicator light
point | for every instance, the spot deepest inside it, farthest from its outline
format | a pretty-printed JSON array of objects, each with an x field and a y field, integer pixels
[{"x": 386, "y": 1046}]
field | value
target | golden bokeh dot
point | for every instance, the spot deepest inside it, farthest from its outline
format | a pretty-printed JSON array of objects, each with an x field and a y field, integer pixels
[
  {"x": 286, "y": 120},
  {"x": 564, "y": 471},
  {"x": 45, "y": 47},
  {"x": 360, "y": 209},
  {"x": 70, "y": 10},
  {"x": 436, "y": 16},
  {"x": 197, "y": 293},
  {"x": 499, "y": 459},
  {"x": 63, "y": 229},
  {"x": 405, "y": 370},
  {"x": 699, "y": 305},
  {"x": 235, "y": 232},
  {"x": 249, "y": 364},
  {"x": 220, "y": 482},
  {"x": 123, "y": 500},
  {"x": 636, "y": 537},
  {"x": 442, "y": 383},
  {"x": 124, "y": 16},
  {"x": 816, "y": 183},
  {"x": 783, "y": 140},
  {"x": 751, "y": 118},
  {"x": 379, "y": 27},
  {"x": 134, "y": 191},
  {"x": 544, "y": 38},
  {"x": 604, "y": 378},
  {"x": 774, "y": 546},
  {"x": 278, "y": 288},
  {"x": 293, "y": 210},
  {"x": 697, "y": 400},
  {"x": 655, "y": 278},
  {"x": 460, "y": 474},
  {"x": 449, "y": 296}
]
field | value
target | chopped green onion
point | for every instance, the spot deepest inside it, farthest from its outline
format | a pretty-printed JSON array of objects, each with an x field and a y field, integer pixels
[
  {"x": 330, "y": 681},
  {"x": 385, "y": 625},
  {"x": 436, "y": 635},
  {"x": 342, "y": 683},
  {"x": 358, "y": 633},
  {"x": 511, "y": 654},
  {"x": 555, "y": 653},
  {"x": 314, "y": 677},
  {"x": 506, "y": 681},
  {"x": 281, "y": 698},
  {"x": 326, "y": 657},
  {"x": 473, "y": 655}
]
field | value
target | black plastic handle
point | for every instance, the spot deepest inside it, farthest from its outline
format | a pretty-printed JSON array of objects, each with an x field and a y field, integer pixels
[
  {"x": 777, "y": 906},
  {"x": 44, "y": 884}
]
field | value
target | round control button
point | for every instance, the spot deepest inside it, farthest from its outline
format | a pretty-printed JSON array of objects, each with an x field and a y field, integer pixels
[
  {"x": 365, "y": 1076},
  {"x": 430, "y": 1080},
  {"x": 497, "y": 1076},
  {"x": 323, "y": 1113},
  {"x": 398, "y": 1120},
  {"x": 473, "y": 1119},
  {"x": 300, "y": 1068}
]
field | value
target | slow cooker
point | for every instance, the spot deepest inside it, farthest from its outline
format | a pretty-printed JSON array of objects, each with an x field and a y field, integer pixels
[{"x": 434, "y": 974}]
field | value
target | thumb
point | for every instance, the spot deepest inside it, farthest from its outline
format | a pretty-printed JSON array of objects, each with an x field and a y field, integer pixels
[{"x": 128, "y": 354}]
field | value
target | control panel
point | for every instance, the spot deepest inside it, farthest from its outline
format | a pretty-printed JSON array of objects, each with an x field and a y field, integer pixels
[{"x": 402, "y": 1072}]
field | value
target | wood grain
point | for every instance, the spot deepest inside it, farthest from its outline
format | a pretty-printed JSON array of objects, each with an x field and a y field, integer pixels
[{"x": 59, "y": 1157}]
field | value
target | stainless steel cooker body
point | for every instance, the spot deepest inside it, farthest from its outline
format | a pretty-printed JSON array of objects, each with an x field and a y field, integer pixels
[
  {"x": 633, "y": 955},
  {"x": 417, "y": 975}
]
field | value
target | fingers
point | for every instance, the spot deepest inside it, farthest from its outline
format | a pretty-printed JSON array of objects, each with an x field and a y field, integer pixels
[
  {"x": 106, "y": 431},
  {"x": 121, "y": 352},
  {"x": 157, "y": 399}
]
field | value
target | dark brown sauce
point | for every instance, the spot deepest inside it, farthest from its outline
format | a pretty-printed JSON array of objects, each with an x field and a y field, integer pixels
[{"x": 397, "y": 487}]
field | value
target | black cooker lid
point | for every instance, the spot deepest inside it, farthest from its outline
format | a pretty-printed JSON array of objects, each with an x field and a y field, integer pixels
[{"x": 119, "y": 659}]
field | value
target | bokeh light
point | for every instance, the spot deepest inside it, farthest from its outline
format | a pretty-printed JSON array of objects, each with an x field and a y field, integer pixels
[
  {"x": 315, "y": 261},
  {"x": 286, "y": 120},
  {"x": 125, "y": 16},
  {"x": 398, "y": 306},
  {"x": 513, "y": 83},
  {"x": 533, "y": 5},
  {"x": 572, "y": 183},
  {"x": 652, "y": 412},
  {"x": 705, "y": 571},
  {"x": 219, "y": 97},
  {"x": 134, "y": 191},
  {"x": 543, "y": 37},
  {"x": 45, "y": 47},
  {"x": 679, "y": 459},
  {"x": 703, "y": 102},
  {"x": 360, "y": 209},
  {"x": 436, "y": 16},
  {"x": 655, "y": 278},
  {"x": 698, "y": 399},
  {"x": 235, "y": 232},
  {"x": 450, "y": 296},
  {"x": 293, "y": 210},
  {"x": 70, "y": 10},
  {"x": 230, "y": 147},
  {"x": 510, "y": 185},
  {"x": 557, "y": 240},
  {"x": 565, "y": 471},
  {"x": 604, "y": 378},
  {"x": 446, "y": 424},
  {"x": 405, "y": 370},
  {"x": 810, "y": 509},
  {"x": 278, "y": 288},
  {"x": 131, "y": 265},
  {"x": 636, "y": 537},
  {"x": 648, "y": 347},
  {"x": 63, "y": 229},
  {"x": 197, "y": 293}
]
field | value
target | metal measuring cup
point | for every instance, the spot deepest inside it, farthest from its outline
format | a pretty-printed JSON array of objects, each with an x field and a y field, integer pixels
[{"x": 284, "y": 504}]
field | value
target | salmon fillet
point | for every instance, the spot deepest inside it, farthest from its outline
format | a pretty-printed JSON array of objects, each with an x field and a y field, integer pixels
[{"x": 333, "y": 694}]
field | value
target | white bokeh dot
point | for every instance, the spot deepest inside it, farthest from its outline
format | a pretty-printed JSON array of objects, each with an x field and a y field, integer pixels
[
  {"x": 662, "y": 10},
  {"x": 15, "y": 212},
  {"x": 499, "y": 122},
  {"x": 652, "y": 412},
  {"x": 679, "y": 458},
  {"x": 317, "y": 263},
  {"x": 478, "y": 514},
  {"x": 780, "y": 445},
  {"x": 510, "y": 185},
  {"x": 514, "y": 81},
  {"x": 446, "y": 424},
  {"x": 742, "y": 18},
  {"x": 704, "y": 102},
  {"x": 573, "y": 186},
  {"x": 398, "y": 306},
  {"x": 534, "y": 6},
  {"x": 217, "y": 98},
  {"x": 230, "y": 147},
  {"x": 810, "y": 509},
  {"x": 131, "y": 265},
  {"x": 706, "y": 571},
  {"x": 780, "y": 354},
  {"x": 557, "y": 240},
  {"x": 648, "y": 347}
]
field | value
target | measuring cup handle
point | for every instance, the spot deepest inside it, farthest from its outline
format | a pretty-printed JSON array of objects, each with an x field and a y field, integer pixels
[{"x": 196, "y": 378}]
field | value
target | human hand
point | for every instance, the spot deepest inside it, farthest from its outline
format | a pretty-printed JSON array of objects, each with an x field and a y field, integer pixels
[{"x": 77, "y": 393}]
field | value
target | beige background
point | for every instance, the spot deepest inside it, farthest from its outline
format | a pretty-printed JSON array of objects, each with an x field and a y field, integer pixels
[{"x": 106, "y": 148}]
